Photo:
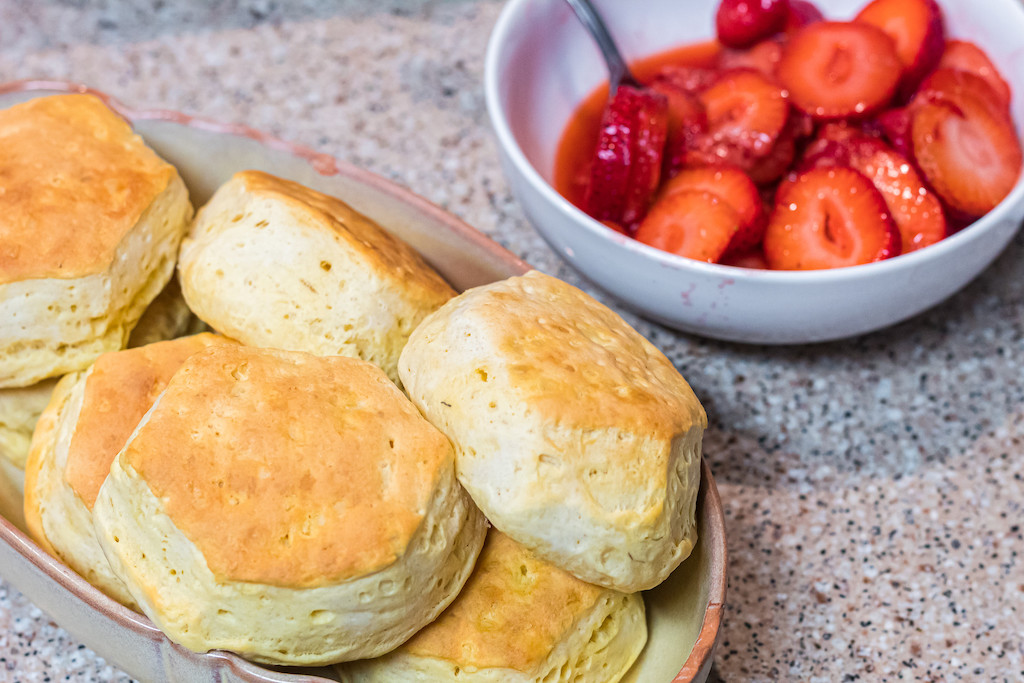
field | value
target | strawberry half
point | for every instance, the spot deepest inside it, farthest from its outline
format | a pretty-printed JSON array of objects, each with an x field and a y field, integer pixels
[
  {"x": 627, "y": 163},
  {"x": 690, "y": 223},
  {"x": 737, "y": 190},
  {"x": 829, "y": 218},
  {"x": 840, "y": 69},
  {"x": 918, "y": 30},
  {"x": 741, "y": 23},
  {"x": 969, "y": 154},
  {"x": 964, "y": 56}
]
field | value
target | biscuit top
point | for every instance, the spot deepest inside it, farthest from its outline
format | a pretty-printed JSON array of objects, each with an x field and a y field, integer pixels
[
  {"x": 289, "y": 469},
  {"x": 119, "y": 389},
  {"x": 74, "y": 180},
  {"x": 575, "y": 361},
  {"x": 512, "y": 611},
  {"x": 385, "y": 254}
]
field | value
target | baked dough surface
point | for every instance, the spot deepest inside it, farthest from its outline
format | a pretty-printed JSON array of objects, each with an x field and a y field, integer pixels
[{"x": 573, "y": 433}]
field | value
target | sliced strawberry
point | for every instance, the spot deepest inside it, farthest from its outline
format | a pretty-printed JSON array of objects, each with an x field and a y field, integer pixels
[
  {"x": 688, "y": 79},
  {"x": 829, "y": 218},
  {"x": 894, "y": 126},
  {"x": 741, "y": 23},
  {"x": 801, "y": 13},
  {"x": 954, "y": 85},
  {"x": 626, "y": 168},
  {"x": 687, "y": 124},
  {"x": 916, "y": 211},
  {"x": 969, "y": 154},
  {"x": 840, "y": 69},
  {"x": 690, "y": 223},
  {"x": 774, "y": 165},
  {"x": 746, "y": 110},
  {"x": 918, "y": 30},
  {"x": 964, "y": 56},
  {"x": 780, "y": 159},
  {"x": 753, "y": 259},
  {"x": 737, "y": 190},
  {"x": 763, "y": 57}
]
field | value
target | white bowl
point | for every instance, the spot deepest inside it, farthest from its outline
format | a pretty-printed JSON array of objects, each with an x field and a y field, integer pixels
[
  {"x": 683, "y": 613},
  {"x": 541, "y": 64}
]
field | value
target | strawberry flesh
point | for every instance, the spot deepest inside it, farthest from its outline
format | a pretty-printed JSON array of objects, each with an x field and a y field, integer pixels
[
  {"x": 969, "y": 154},
  {"x": 840, "y": 69},
  {"x": 894, "y": 126},
  {"x": 753, "y": 259},
  {"x": 918, "y": 30},
  {"x": 687, "y": 124},
  {"x": 763, "y": 57},
  {"x": 690, "y": 223},
  {"x": 829, "y": 218},
  {"x": 954, "y": 85},
  {"x": 801, "y": 13},
  {"x": 745, "y": 110},
  {"x": 741, "y": 23},
  {"x": 626, "y": 167},
  {"x": 965, "y": 56},
  {"x": 737, "y": 190}
]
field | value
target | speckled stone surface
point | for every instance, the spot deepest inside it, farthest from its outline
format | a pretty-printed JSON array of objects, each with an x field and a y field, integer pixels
[{"x": 873, "y": 488}]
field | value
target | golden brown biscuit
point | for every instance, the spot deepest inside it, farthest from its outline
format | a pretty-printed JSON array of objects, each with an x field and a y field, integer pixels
[
  {"x": 293, "y": 508},
  {"x": 89, "y": 418},
  {"x": 518, "y": 620},
  {"x": 573, "y": 433},
  {"x": 166, "y": 317},
  {"x": 274, "y": 264},
  {"x": 92, "y": 219}
]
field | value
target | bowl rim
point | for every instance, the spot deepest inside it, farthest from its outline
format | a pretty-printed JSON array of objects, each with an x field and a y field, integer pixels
[
  {"x": 709, "y": 500},
  {"x": 497, "y": 46}
]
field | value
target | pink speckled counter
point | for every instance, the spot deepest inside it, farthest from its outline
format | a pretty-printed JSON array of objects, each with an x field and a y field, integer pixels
[{"x": 873, "y": 488}]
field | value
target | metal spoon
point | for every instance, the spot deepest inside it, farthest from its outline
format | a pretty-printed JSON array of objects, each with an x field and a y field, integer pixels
[{"x": 618, "y": 70}]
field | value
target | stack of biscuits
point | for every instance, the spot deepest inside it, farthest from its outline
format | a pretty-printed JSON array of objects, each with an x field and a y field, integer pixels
[{"x": 355, "y": 466}]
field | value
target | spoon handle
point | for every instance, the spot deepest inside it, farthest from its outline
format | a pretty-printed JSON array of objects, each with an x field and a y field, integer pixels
[{"x": 618, "y": 71}]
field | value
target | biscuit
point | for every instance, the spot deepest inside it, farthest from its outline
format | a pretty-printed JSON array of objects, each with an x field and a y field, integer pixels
[
  {"x": 92, "y": 219},
  {"x": 89, "y": 418},
  {"x": 274, "y": 264},
  {"x": 166, "y": 317},
  {"x": 20, "y": 409},
  {"x": 518, "y": 620},
  {"x": 573, "y": 434},
  {"x": 295, "y": 509}
]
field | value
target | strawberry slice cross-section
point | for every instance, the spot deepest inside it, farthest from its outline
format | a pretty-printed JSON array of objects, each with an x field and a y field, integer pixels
[
  {"x": 829, "y": 218},
  {"x": 835, "y": 69},
  {"x": 626, "y": 168}
]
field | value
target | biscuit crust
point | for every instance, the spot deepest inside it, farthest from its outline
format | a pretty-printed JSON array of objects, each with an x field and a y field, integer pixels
[
  {"x": 293, "y": 508},
  {"x": 573, "y": 433},
  {"x": 91, "y": 223},
  {"x": 275, "y": 264},
  {"x": 519, "y": 619}
]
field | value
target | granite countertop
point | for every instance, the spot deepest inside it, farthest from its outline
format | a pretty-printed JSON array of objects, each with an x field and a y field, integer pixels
[{"x": 872, "y": 487}]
